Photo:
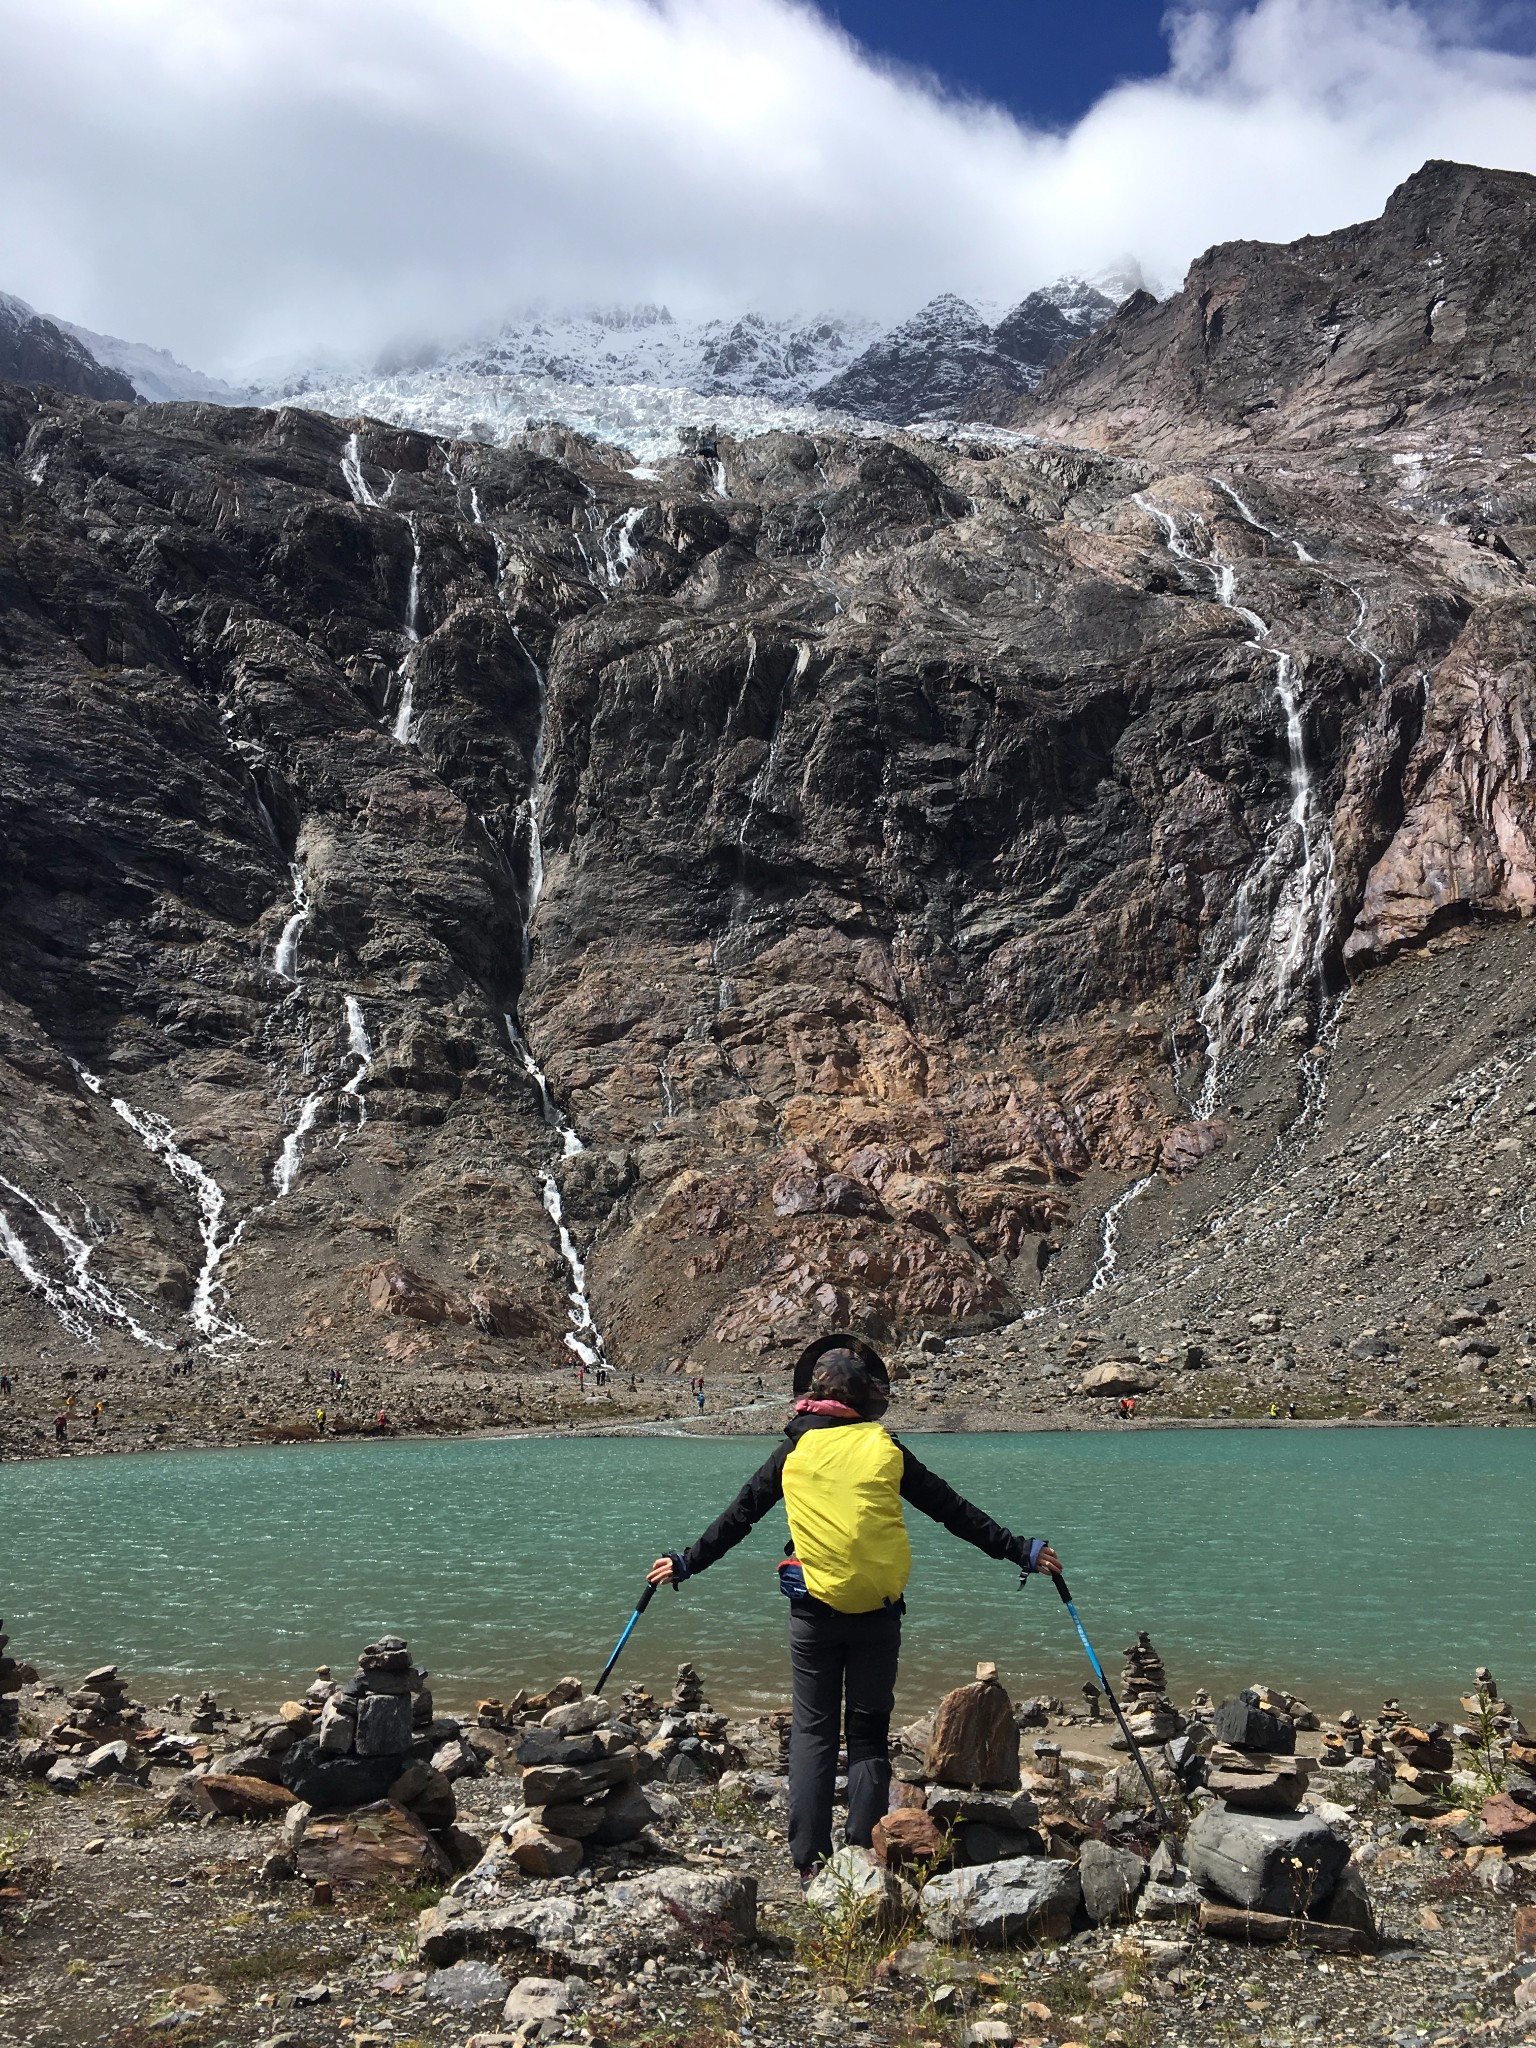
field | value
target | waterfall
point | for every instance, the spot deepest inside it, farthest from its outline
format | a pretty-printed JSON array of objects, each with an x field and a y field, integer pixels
[
  {"x": 583, "y": 1339},
  {"x": 619, "y": 545},
  {"x": 360, "y": 1046},
  {"x": 285, "y": 957},
  {"x": 159, "y": 1139},
  {"x": 352, "y": 472},
  {"x": 405, "y": 674},
  {"x": 717, "y": 477},
  {"x": 1109, "y": 1240},
  {"x": 1280, "y": 913},
  {"x": 289, "y": 1158},
  {"x": 82, "y": 1295}
]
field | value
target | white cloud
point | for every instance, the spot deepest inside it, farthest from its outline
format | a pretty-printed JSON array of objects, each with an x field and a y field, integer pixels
[{"x": 247, "y": 178}]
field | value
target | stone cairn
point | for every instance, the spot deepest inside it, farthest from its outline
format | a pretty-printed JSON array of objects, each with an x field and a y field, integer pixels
[
  {"x": 13, "y": 1676},
  {"x": 1150, "y": 1713},
  {"x": 579, "y": 1788}
]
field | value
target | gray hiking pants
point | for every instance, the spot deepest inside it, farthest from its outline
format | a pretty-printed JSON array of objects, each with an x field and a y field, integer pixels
[{"x": 833, "y": 1657}]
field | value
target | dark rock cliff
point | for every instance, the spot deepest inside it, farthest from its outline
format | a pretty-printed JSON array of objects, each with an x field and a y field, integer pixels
[
  {"x": 36, "y": 350},
  {"x": 810, "y": 899}
]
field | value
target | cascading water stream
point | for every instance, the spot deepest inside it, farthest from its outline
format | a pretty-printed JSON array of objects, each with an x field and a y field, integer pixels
[
  {"x": 583, "y": 1339},
  {"x": 1109, "y": 1239},
  {"x": 1280, "y": 915},
  {"x": 618, "y": 544},
  {"x": 80, "y": 1297},
  {"x": 360, "y": 1046},
  {"x": 285, "y": 955},
  {"x": 285, "y": 961},
  {"x": 352, "y": 472},
  {"x": 405, "y": 674},
  {"x": 159, "y": 1139}
]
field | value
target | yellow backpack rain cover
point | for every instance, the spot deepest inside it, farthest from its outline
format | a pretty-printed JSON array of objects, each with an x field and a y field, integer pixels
[{"x": 842, "y": 1493}]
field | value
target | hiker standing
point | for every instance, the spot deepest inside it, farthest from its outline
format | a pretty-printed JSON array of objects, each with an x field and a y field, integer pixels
[
  {"x": 60, "y": 1427},
  {"x": 842, "y": 1478},
  {"x": 320, "y": 1420}
]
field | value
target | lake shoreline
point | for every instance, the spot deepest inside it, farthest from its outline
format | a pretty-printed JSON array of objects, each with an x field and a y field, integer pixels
[{"x": 711, "y": 1428}]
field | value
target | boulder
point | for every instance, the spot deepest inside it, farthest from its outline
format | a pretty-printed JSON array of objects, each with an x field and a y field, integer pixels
[
  {"x": 1510, "y": 1824},
  {"x": 234, "y": 1798},
  {"x": 1111, "y": 1879},
  {"x": 1030, "y": 1896},
  {"x": 467, "y": 1986},
  {"x": 578, "y": 1717},
  {"x": 625, "y": 1813},
  {"x": 379, "y": 1844},
  {"x": 1350, "y": 1905},
  {"x": 853, "y": 1882},
  {"x": 909, "y": 1836},
  {"x": 1279, "y": 1863},
  {"x": 330, "y": 1783},
  {"x": 427, "y": 1793},
  {"x": 1005, "y": 1810},
  {"x": 669, "y": 1911},
  {"x": 974, "y": 1739},
  {"x": 1117, "y": 1376},
  {"x": 1279, "y": 1790},
  {"x": 533, "y": 2000},
  {"x": 394, "y": 1290},
  {"x": 1246, "y": 1725},
  {"x": 541, "y": 1852},
  {"x": 574, "y": 1820},
  {"x": 978, "y": 1841},
  {"x": 383, "y": 1724}
]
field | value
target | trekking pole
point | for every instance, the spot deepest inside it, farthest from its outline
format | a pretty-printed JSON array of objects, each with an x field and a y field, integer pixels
[
  {"x": 629, "y": 1628},
  {"x": 1098, "y": 1671}
]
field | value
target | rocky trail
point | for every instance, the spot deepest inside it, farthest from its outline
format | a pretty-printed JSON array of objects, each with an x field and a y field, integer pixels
[{"x": 553, "y": 1868}]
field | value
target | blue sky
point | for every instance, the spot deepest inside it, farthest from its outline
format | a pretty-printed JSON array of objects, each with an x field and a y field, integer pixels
[{"x": 1047, "y": 61}]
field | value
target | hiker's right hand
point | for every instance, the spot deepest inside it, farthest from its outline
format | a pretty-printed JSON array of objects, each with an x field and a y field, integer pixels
[{"x": 663, "y": 1572}]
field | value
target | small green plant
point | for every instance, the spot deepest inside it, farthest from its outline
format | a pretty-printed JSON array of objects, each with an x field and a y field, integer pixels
[{"x": 1485, "y": 1759}]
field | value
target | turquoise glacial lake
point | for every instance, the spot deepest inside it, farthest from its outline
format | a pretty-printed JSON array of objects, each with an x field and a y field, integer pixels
[{"x": 1349, "y": 1565}]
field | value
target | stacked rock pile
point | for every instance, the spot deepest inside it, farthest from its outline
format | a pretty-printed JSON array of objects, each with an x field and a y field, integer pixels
[
  {"x": 374, "y": 1736},
  {"x": 13, "y": 1676},
  {"x": 687, "y": 1693},
  {"x": 579, "y": 1789},
  {"x": 1149, "y": 1712}
]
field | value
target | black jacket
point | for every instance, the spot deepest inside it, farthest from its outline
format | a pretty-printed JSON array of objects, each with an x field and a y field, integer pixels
[{"x": 927, "y": 1492}]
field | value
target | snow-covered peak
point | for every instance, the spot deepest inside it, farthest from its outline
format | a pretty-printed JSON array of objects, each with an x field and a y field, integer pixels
[{"x": 154, "y": 373}]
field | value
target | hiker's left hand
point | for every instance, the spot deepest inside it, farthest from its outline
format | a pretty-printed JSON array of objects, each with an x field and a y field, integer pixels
[
  {"x": 1048, "y": 1561},
  {"x": 663, "y": 1572}
]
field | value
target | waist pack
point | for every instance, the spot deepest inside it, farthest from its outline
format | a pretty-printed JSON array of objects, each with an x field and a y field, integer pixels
[{"x": 792, "y": 1579}]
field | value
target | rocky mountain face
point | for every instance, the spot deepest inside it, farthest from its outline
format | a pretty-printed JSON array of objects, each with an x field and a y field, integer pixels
[
  {"x": 946, "y": 362},
  {"x": 1396, "y": 326},
  {"x": 471, "y": 908},
  {"x": 36, "y": 350}
]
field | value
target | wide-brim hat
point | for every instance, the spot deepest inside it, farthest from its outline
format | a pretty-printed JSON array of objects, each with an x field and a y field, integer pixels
[{"x": 868, "y": 1357}]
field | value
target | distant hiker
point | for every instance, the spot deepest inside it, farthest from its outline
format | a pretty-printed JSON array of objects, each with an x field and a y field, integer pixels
[
  {"x": 581, "y": 1379},
  {"x": 1125, "y": 1407},
  {"x": 69, "y": 1404},
  {"x": 60, "y": 1424},
  {"x": 383, "y": 1421},
  {"x": 1274, "y": 1411},
  {"x": 96, "y": 1414},
  {"x": 5, "y": 1383},
  {"x": 1290, "y": 1409},
  {"x": 320, "y": 1420},
  {"x": 842, "y": 1478},
  {"x": 698, "y": 1395}
]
